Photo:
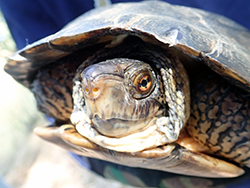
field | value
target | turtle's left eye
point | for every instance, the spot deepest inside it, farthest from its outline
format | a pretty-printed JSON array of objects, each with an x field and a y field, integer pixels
[
  {"x": 145, "y": 83},
  {"x": 139, "y": 80}
]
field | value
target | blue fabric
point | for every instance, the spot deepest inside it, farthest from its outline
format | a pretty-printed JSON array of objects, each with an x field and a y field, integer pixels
[
  {"x": 83, "y": 161},
  {"x": 30, "y": 20}
]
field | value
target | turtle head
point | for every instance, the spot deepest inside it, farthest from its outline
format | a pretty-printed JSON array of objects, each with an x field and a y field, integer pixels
[
  {"x": 129, "y": 105},
  {"x": 121, "y": 96}
]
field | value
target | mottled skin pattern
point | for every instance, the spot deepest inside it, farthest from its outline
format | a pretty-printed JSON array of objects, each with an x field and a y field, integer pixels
[
  {"x": 55, "y": 100},
  {"x": 220, "y": 117}
]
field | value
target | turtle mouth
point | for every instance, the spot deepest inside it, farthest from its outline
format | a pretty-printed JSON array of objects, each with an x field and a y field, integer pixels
[
  {"x": 148, "y": 137},
  {"x": 116, "y": 127}
]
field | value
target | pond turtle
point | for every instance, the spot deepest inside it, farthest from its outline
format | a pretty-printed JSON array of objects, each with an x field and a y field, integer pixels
[{"x": 147, "y": 85}]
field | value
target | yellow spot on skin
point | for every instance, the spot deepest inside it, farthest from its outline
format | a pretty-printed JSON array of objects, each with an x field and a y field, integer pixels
[
  {"x": 232, "y": 134},
  {"x": 205, "y": 126},
  {"x": 203, "y": 117},
  {"x": 217, "y": 123},
  {"x": 202, "y": 107},
  {"x": 212, "y": 113}
]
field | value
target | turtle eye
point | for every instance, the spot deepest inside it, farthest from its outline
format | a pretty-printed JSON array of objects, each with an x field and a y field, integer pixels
[
  {"x": 142, "y": 84},
  {"x": 145, "y": 83},
  {"x": 139, "y": 80}
]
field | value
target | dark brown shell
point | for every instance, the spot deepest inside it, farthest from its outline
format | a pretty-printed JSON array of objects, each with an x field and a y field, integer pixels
[{"x": 222, "y": 43}]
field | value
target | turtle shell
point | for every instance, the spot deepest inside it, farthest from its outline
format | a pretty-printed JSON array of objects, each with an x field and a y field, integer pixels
[
  {"x": 223, "y": 44},
  {"x": 213, "y": 40}
]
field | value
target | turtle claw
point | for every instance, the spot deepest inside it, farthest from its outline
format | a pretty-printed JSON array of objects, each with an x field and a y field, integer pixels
[
  {"x": 207, "y": 166},
  {"x": 177, "y": 159}
]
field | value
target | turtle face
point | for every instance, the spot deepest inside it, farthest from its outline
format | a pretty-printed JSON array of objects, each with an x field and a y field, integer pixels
[
  {"x": 122, "y": 96},
  {"x": 126, "y": 105}
]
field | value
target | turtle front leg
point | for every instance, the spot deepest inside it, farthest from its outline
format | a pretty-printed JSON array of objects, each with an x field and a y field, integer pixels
[
  {"x": 220, "y": 118},
  {"x": 171, "y": 157}
]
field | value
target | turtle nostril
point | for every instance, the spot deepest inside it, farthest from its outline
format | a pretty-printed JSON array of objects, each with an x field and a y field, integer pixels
[
  {"x": 94, "y": 90},
  {"x": 86, "y": 90},
  {"x": 91, "y": 92}
]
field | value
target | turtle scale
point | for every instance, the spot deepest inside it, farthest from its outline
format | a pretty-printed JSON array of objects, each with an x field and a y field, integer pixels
[{"x": 212, "y": 40}]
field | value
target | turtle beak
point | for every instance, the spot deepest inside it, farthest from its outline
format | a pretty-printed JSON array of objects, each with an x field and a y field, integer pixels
[{"x": 98, "y": 91}]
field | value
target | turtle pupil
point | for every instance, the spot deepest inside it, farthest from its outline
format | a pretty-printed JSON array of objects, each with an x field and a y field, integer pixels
[{"x": 144, "y": 83}]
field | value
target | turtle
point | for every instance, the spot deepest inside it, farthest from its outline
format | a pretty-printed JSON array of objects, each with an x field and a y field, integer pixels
[{"x": 148, "y": 85}]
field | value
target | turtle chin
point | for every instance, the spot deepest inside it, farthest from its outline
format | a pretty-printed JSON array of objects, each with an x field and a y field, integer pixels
[
  {"x": 148, "y": 136},
  {"x": 116, "y": 127}
]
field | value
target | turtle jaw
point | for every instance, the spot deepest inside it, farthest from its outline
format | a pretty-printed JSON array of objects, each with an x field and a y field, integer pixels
[{"x": 149, "y": 137}]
